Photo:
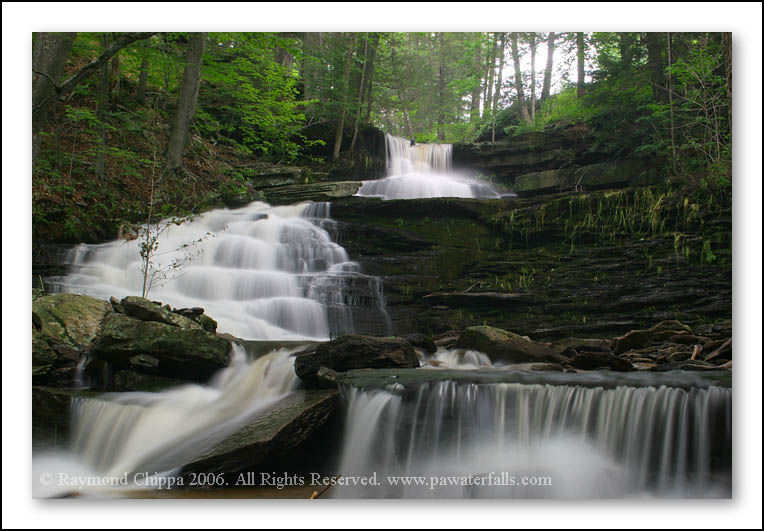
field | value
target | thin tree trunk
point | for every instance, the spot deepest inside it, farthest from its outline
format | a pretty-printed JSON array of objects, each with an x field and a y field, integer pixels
[
  {"x": 727, "y": 58},
  {"x": 49, "y": 54},
  {"x": 372, "y": 55},
  {"x": 533, "y": 75},
  {"x": 488, "y": 96},
  {"x": 626, "y": 47},
  {"x": 346, "y": 90},
  {"x": 547, "y": 87},
  {"x": 441, "y": 88},
  {"x": 499, "y": 81},
  {"x": 519, "y": 79},
  {"x": 143, "y": 77},
  {"x": 187, "y": 101},
  {"x": 581, "y": 59},
  {"x": 361, "y": 87},
  {"x": 655, "y": 65},
  {"x": 103, "y": 101},
  {"x": 115, "y": 76},
  {"x": 475, "y": 103},
  {"x": 671, "y": 105}
]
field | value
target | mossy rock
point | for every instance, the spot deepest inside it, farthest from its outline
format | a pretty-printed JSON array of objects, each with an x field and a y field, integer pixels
[
  {"x": 191, "y": 354},
  {"x": 506, "y": 346},
  {"x": 70, "y": 319}
]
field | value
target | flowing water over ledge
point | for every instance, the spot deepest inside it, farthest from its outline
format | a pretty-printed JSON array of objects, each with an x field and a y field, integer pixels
[
  {"x": 422, "y": 170},
  {"x": 516, "y": 440},
  {"x": 262, "y": 272}
]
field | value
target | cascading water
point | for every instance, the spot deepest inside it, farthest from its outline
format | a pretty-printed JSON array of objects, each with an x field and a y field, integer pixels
[
  {"x": 562, "y": 441},
  {"x": 262, "y": 272},
  {"x": 127, "y": 433},
  {"x": 422, "y": 170}
]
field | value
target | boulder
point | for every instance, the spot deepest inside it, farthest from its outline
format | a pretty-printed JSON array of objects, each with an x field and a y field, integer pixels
[
  {"x": 73, "y": 320},
  {"x": 502, "y": 345},
  {"x": 127, "y": 380},
  {"x": 146, "y": 310},
  {"x": 184, "y": 353},
  {"x": 356, "y": 352},
  {"x": 283, "y": 427},
  {"x": 64, "y": 327}
]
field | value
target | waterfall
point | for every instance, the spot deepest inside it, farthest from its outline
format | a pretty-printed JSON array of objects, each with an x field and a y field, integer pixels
[
  {"x": 262, "y": 272},
  {"x": 422, "y": 170},
  {"x": 125, "y": 433},
  {"x": 561, "y": 441}
]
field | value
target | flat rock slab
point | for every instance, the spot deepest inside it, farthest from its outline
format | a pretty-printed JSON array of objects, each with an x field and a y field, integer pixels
[{"x": 283, "y": 427}]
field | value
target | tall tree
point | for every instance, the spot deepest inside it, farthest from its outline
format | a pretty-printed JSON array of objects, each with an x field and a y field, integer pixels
[
  {"x": 547, "y": 86},
  {"x": 581, "y": 61},
  {"x": 361, "y": 87},
  {"x": 626, "y": 48},
  {"x": 103, "y": 102},
  {"x": 344, "y": 100},
  {"x": 475, "y": 96},
  {"x": 187, "y": 101},
  {"x": 655, "y": 64},
  {"x": 143, "y": 76},
  {"x": 532, "y": 43},
  {"x": 49, "y": 53},
  {"x": 519, "y": 79}
]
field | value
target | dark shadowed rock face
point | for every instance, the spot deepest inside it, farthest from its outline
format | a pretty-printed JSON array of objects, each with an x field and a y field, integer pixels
[
  {"x": 286, "y": 424},
  {"x": 504, "y": 346},
  {"x": 356, "y": 352},
  {"x": 192, "y": 354},
  {"x": 600, "y": 360}
]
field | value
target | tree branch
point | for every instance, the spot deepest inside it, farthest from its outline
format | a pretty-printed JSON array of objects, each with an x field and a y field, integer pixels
[{"x": 122, "y": 40}]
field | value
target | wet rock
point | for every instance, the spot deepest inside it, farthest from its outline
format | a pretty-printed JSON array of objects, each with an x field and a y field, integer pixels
[
  {"x": 356, "y": 352},
  {"x": 689, "y": 365},
  {"x": 421, "y": 341},
  {"x": 146, "y": 310},
  {"x": 184, "y": 353},
  {"x": 597, "y": 360},
  {"x": 502, "y": 345},
  {"x": 283, "y": 427},
  {"x": 52, "y": 415},
  {"x": 633, "y": 340},
  {"x": 546, "y": 367},
  {"x": 569, "y": 346}
]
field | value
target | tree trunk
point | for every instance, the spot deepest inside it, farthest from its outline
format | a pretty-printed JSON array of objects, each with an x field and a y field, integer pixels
[
  {"x": 727, "y": 58},
  {"x": 655, "y": 65},
  {"x": 441, "y": 88},
  {"x": 369, "y": 85},
  {"x": 346, "y": 90},
  {"x": 581, "y": 60},
  {"x": 488, "y": 96},
  {"x": 115, "y": 79},
  {"x": 533, "y": 75},
  {"x": 49, "y": 53},
  {"x": 475, "y": 103},
  {"x": 361, "y": 87},
  {"x": 103, "y": 101},
  {"x": 140, "y": 94},
  {"x": 519, "y": 79},
  {"x": 307, "y": 67},
  {"x": 187, "y": 101},
  {"x": 626, "y": 47},
  {"x": 547, "y": 87},
  {"x": 499, "y": 81}
]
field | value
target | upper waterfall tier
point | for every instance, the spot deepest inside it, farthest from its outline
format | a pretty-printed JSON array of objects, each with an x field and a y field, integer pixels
[
  {"x": 422, "y": 170},
  {"x": 262, "y": 272}
]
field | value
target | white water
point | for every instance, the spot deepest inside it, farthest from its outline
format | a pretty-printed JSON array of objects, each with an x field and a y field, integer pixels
[
  {"x": 422, "y": 170},
  {"x": 589, "y": 442},
  {"x": 262, "y": 272},
  {"x": 156, "y": 433}
]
